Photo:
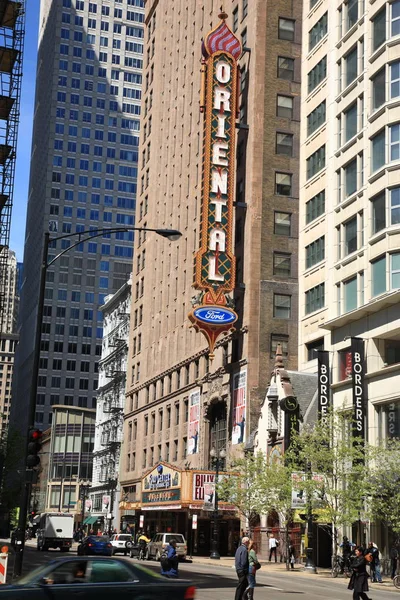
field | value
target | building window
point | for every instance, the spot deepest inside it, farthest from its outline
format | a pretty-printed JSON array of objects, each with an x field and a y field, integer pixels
[
  {"x": 315, "y": 298},
  {"x": 316, "y": 118},
  {"x": 379, "y": 29},
  {"x": 352, "y": 13},
  {"x": 378, "y": 268},
  {"x": 283, "y": 184},
  {"x": 318, "y": 31},
  {"x": 394, "y": 142},
  {"x": 378, "y": 151},
  {"x": 282, "y": 223},
  {"x": 379, "y": 89},
  {"x": 282, "y": 340},
  {"x": 218, "y": 426},
  {"x": 351, "y": 122},
  {"x": 350, "y": 294},
  {"x": 315, "y": 207},
  {"x": 282, "y": 264},
  {"x": 315, "y": 252},
  {"x": 395, "y": 18},
  {"x": 235, "y": 19},
  {"x": 314, "y": 347},
  {"x": 286, "y": 68},
  {"x": 316, "y": 162},
  {"x": 351, "y": 62},
  {"x": 395, "y": 271},
  {"x": 379, "y": 212},
  {"x": 282, "y": 306},
  {"x": 350, "y": 236},
  {"x": 317, "y": 74},
  {"x": 395, "y": 206},
  {"x": 284, "y": 106},
  {"x": 392, "y": 357},
  {"x": 284, "y": 143},
  {"x": 286, "y": 29},
  {"x": 395, "y": 80},
  {"x": 350, "y": 177}
]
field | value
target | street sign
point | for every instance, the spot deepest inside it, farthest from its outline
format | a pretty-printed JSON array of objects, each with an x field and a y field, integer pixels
[{"x": 194, "y": 522}]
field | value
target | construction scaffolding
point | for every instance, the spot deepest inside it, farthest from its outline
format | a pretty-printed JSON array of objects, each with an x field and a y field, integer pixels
[{"x": 12, "y": 32}]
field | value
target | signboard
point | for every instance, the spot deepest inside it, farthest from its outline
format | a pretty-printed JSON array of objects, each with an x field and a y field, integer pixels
[
  {"x": 199, "y": 481},
  {"x": 359, "y": 399},
  {"x": 239, "y": 407},
  {"x": 194, "y": 422},
  {"x": 88, "y": 505},
  {"x": 392, "y": 412},
  {"x": 106, "y": 503},
  {"x": 213, "y": 311},
  {"x": 324, "y": 385},
  {"x": 194, "y": 522},
  {"x": 162, "y": 484},
  {"x": 209, "y": 496}
]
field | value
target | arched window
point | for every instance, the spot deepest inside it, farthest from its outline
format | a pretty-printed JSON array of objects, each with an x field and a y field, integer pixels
[{"x": 218, "y": 426}]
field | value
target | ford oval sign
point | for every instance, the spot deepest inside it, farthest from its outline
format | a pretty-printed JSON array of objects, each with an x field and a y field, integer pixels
[{"x": 215, "y": 315}]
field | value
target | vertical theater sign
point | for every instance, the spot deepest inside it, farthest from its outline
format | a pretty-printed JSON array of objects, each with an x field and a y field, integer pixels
[{"x": 213, "y": 313}]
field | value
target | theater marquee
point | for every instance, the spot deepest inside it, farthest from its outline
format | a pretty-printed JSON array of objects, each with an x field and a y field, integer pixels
[{"x": 215, "y": 262}]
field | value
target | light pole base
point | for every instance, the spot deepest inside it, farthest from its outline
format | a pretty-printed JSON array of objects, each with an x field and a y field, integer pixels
[
  {"x": 309, "y": 567},
  {"x": 215, "y": 555}
]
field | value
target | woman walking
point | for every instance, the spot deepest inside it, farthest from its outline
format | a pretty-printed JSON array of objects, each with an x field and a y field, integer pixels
[
  {"x": 253, "y": 562},
  {"x": 359, "y": 579}
]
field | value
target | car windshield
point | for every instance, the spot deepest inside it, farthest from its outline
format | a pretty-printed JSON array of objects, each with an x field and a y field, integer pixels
[
  {"x": 175, "y": 536},
  {"x": 123, "y": 537},
  {"x": 100, "y": 538}
]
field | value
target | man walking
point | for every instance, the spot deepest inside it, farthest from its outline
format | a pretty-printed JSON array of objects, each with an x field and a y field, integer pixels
[
  {"x": 376, "y": 563},
  {"x": 242, "y": 567},
  {"x": 273, "y": 545}
]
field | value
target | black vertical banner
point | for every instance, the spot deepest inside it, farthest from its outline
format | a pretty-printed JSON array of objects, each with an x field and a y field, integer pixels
[
  {"x": 359, "y": 396},
  {"x": 324, "y": 385}
]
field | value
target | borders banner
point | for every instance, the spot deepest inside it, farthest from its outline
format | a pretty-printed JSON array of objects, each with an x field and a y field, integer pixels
[
  {"x": 324, "y": 385},
  {"x": 239, "y": 401},
  {"x": 358, "y": 377},
  {"x": 194, "y": 422}
]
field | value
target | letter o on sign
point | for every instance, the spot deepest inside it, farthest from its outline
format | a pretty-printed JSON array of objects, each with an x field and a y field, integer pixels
[{"x": 223, "y": 72}]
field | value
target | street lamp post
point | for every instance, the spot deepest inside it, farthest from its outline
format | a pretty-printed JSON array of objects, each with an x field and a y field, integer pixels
[
  {"x": 217, "y": 459},
  {"x": 83, "y": 236},
  {"x": 310, "y": 565}
]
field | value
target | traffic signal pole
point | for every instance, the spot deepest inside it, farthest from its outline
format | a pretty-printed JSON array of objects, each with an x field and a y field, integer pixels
[{"x": 27, "y": 477}]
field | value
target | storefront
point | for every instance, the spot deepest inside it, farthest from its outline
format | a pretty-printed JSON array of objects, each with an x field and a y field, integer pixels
[{"x": 170, "y": 498}]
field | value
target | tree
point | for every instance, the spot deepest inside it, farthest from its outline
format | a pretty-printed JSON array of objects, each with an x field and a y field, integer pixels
[
  {"x": 330, "y": 449},
  {"x": 384, "y": 485}
]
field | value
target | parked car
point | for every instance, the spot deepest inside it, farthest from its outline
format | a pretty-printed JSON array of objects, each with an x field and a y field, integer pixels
[
  {"x": 161, "y": 540},
  {"x": 121, "y": 542},
  {"x": 95, "y": 578},
  {"x": 95, "y": 544}
]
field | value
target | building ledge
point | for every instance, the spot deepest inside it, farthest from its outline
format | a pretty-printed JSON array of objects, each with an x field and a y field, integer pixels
[{"x": 374, "y": 306}]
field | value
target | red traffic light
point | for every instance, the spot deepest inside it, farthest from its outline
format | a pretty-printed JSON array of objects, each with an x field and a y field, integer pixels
[
  {"x": 34, "y": 445},
  {"x": 36, "y": 434}
]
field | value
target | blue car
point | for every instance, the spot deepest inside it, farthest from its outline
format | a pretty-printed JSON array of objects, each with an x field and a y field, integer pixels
[{"x": 99, "y": 545}]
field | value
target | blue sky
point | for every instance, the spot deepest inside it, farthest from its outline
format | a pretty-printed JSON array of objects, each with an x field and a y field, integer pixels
[{"x": 25, "y": 130}]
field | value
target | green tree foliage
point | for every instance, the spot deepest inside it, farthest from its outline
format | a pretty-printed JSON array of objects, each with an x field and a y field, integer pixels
[{"x": 384, "y": 485}]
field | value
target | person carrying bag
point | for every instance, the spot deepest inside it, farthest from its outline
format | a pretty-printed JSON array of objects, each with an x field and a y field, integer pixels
[{"x": 254, "y": 566}]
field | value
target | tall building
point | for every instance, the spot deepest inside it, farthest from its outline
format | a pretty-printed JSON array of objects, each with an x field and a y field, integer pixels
[
  {"x": 350, "y": 207},
  {"x": 105, "y": 490},
  {"x": 83, "y": 176},
  {"x": 180, "y": 404}
]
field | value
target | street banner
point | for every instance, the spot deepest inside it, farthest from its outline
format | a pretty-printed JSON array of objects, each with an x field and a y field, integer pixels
[
  {"x": 141, "y": 521},
  {"x": 209, "y": 496},
  {"x": 88, "y": 505},
  {"x": 324, "y": 385},
  {"x": 299, "y": 499},
  {"x": 358, "y": 377},
  {"x": 194, "y": 522},
  {"x": 239, "y": 407},
  {"x": 194, "y": 422},
  {"x": 106, "y": 503}
]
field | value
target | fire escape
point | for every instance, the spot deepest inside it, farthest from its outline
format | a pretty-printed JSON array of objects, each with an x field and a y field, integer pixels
[{"x": 12, "y": 30}]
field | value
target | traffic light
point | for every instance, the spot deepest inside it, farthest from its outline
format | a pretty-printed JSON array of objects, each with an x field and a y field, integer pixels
[{"x": 34, "y": 445}]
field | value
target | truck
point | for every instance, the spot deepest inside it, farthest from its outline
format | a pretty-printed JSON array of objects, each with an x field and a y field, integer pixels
[{"x": 56, "y": 530}]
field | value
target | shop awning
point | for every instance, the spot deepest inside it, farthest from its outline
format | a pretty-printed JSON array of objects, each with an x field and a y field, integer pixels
[{"x": 89, "y": 520}]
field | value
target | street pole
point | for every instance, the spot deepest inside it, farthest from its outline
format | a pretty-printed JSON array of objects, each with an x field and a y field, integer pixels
[
  {"x": 23, "y": 510},
  {"x": 214, "y": 545},
  {"x": 310, "y": 566}
]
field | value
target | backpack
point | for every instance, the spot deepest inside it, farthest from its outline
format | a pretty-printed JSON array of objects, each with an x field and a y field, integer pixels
[{"x": 164, "y": 560}]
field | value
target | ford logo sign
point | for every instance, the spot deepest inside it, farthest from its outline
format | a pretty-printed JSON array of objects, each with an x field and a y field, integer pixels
[{"x": 215, "y": 315}]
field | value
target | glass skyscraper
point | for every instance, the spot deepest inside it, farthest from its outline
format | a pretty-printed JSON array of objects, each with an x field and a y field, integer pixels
[{"x": 83, "y": 176}]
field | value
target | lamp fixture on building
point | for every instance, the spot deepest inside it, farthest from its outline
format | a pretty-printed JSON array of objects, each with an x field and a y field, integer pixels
[{"x": 272, "y": 392}]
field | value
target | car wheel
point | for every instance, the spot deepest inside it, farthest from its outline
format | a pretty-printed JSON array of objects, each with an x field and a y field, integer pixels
[{"x": 128, "y": 545}]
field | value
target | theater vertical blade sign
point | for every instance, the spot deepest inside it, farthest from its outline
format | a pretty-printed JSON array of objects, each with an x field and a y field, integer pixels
[{"x": 214, "y": 277}]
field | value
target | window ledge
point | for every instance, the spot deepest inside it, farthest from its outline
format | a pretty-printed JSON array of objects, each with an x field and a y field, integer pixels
[
  {"x": 314, "y": 9},
  {"x": 350, "y": 32},
  {"x": 317, "y": 47},
  {"x": 392, "y": 103},
  {"x": 315, "y": 177},
  {"x": 349, "y": 143},
  {"x": 315, "y": 312},
  {"x": 393, "y": 166},
  {"x": 316, "y": 90},
  {"x": 387, "y": 231},
  {"x": 386, "y": 44},
  {"x": 383, "y": 370},
  {"x": 314, "y": 223},
  {"x": 350, "y": 87},
  {"x": 314, "y": 268},
  {"x": 349, "y": 258},
  {"x": 349, "y": 200},
  {"x": 315, "y": 133}
]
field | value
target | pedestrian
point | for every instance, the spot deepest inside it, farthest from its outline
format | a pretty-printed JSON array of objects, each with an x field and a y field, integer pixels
[
  {"x": 254, "y": 565},
  {"x": 359, "y": 578},
  {"x": 375, "y": 563},
  {"x": 242, "y": 567},
  {"x": 169, "y": 560},
  {"x": 273, "y": 545},
  {"x": 292, "y": 554},
  {"x": 394, "y": 557}
]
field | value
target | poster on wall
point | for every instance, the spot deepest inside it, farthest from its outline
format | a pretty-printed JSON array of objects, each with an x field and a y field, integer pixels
[
  {"x": 239, "y": 408},
  {"x": 106, "y": 503},
  {"x": 194, "y": 422},
  {"x": 209, "y": 496}
]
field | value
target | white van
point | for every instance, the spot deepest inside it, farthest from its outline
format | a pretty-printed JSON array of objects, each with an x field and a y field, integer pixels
[{"x": 56, "y": 530}]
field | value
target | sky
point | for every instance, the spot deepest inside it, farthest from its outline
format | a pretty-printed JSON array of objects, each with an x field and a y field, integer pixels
[{"x": 25, "y": 130}]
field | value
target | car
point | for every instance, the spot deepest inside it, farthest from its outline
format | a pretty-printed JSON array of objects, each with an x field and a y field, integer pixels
[
  {"x": 121, "y": 542},
  {"x": 161, "y": 540},
  {"x": 95, "y": 544},
  {"x": 96, "y": 578}
]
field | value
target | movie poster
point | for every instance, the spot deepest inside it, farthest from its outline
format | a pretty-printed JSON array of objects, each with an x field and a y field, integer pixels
[
  {"x": 239, "y": 407},
  {"x": 194, "y": 422}
]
